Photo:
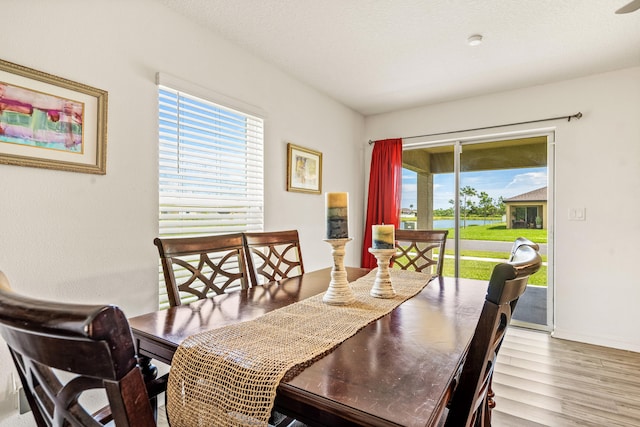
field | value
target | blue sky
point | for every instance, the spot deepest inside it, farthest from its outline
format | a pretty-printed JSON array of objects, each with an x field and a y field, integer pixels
[{"x": 505, "y": 183}]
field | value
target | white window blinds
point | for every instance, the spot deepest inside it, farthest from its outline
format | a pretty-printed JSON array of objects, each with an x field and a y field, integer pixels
[{"x": 210, "y": 169}]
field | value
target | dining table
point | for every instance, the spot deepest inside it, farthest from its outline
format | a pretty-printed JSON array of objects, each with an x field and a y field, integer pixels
[{"x": 399, "y": 370}]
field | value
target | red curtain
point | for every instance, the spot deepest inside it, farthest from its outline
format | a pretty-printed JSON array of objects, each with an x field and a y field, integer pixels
[{"x": 385, "y": 191}]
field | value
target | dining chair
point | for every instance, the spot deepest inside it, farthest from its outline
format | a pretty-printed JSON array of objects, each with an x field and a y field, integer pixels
[
  {"x": 472, "y": 399},
  {"x": 414, "y": 250},
  {"x": 273, "y": 255},
  {"x": 207, "y": 265},
  {"x": 66, "y": 353},
  {"x": 202, "y": 266}
]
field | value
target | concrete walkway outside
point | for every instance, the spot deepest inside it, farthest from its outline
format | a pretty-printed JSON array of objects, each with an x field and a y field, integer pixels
[{"x": 488, "y": 245}]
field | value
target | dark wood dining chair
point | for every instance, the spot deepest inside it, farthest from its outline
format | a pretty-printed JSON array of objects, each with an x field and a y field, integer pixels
[
  {"x": 472, "y": 399},
  {"x": 202, "y": 266},
  {"x": 414, "y": 250},
  {"x": 63, "y": 350},
  {"x": 273, "y": 255}
]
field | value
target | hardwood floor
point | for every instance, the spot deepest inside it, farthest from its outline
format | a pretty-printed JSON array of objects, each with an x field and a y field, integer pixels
[{"x": 543, "y": 381}]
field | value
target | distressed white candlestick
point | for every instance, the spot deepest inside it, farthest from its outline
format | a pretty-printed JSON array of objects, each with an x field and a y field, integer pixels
[
  {"x": 382, "y": 287},
  {"x": 339, "y": 292}
]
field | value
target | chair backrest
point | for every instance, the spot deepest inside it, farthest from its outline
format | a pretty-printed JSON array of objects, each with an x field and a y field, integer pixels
[
  {"x": 519, "y": 242},
  {"x": 471, "y": 403},
  {"x": 62, "y": 350},
  {"x": 273, "y": 255},
  {"x": 202, "y": 265},
  {"x": 414, "y": 250}
]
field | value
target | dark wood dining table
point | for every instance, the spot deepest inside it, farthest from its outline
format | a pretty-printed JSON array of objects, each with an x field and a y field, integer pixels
[{"x": 396, "y": 371}]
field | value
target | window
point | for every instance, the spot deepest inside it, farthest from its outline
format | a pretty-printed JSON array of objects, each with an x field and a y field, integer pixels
[{"x": 210, "y": 169}]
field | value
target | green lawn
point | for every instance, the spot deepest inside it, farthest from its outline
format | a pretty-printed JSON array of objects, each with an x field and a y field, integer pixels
[
  {"x": 495, "y": 231},
  {"x": 499, "y": 232},
  {"x": 472, "y": 269}
]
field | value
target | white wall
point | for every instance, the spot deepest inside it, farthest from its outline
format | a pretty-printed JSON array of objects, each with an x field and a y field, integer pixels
[
  {"x": 597, "y": 166},
  {"x": 88, "y": 238}
]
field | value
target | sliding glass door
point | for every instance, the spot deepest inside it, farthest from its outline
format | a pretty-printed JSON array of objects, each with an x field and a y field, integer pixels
[{"x": 486, "y": 193}]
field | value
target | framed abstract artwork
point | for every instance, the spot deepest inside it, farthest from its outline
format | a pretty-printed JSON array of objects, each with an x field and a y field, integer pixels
[
  {"x": 304, "y": 169},
  {"x": 51, "y": 122}
]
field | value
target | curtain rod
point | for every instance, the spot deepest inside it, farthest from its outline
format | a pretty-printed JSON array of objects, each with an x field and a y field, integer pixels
[{"x": 578, "y": 115}]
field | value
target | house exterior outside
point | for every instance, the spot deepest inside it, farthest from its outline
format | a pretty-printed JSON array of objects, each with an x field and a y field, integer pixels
[{"x": 527, "y": 210}]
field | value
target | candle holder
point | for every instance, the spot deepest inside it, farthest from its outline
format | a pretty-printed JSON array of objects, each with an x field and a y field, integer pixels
[
  {"x": 339, "y": 292},
  {"x": 382, "y": 287}
]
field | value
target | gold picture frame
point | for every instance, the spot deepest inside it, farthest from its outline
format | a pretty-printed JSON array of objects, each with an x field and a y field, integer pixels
[
  {"x": 304, "y": 170},
  {"x": 51, "y": 122}
]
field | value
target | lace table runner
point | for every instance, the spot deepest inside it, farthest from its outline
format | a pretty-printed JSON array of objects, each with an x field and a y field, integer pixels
[{"x": 229, "y": 376}]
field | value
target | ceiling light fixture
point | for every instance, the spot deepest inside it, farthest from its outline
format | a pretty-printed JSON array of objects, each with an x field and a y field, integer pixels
[{"x": 474, "y": 40}]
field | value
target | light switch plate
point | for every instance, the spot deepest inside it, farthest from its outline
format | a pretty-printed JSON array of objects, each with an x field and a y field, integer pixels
[{"x": 577, "y": 214}]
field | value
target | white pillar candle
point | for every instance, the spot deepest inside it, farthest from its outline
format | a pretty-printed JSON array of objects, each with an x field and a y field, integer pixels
[
  {"x": 337, "y": 215},
  {"x": 383, "y": 236}
]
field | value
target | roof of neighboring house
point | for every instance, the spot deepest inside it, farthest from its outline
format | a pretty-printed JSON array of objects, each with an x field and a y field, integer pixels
[{"x": 539, "y": 195}]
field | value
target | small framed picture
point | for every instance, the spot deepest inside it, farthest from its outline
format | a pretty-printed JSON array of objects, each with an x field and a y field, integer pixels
[
  {"x": 51, "y": 122},
  {"x": 304, "y": 170}
]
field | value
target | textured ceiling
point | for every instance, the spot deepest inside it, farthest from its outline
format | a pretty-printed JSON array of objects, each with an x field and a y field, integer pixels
[{"x": 377, "y": 56}]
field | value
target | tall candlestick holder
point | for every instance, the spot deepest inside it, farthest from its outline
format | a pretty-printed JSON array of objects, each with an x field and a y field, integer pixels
[
  {"x": 339, "y": 292},
  {"x": 382, "y": 287}
]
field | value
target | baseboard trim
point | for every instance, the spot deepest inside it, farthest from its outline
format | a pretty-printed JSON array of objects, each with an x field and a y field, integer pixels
[{"x": 611, "y": 342}]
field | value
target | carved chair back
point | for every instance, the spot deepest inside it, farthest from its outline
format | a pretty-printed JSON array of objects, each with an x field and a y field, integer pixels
[
  {"x": 202, "y": 265},
  {"x": 273, "y": 255},
  {"x": 414, "y": 250}
]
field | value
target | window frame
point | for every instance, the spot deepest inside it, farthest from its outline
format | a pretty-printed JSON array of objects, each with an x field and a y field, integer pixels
[{"x": 210, "y": 149}]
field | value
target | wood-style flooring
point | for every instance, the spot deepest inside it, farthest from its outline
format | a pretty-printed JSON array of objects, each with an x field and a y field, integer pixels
[{"x": 544, "y": 381}]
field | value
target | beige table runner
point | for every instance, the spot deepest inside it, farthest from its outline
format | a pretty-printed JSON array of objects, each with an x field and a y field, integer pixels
[{"x": 229, "y": 376}]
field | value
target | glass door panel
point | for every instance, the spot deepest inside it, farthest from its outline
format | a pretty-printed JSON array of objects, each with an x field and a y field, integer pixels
[
  {"x": 428, "y": 194},
  {"x": 503, "y": 195},
  {"x": 489, "y": 195}
]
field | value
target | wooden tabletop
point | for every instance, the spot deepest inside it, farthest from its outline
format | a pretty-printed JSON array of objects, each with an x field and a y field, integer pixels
[{"x": 397, "y": 371}]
